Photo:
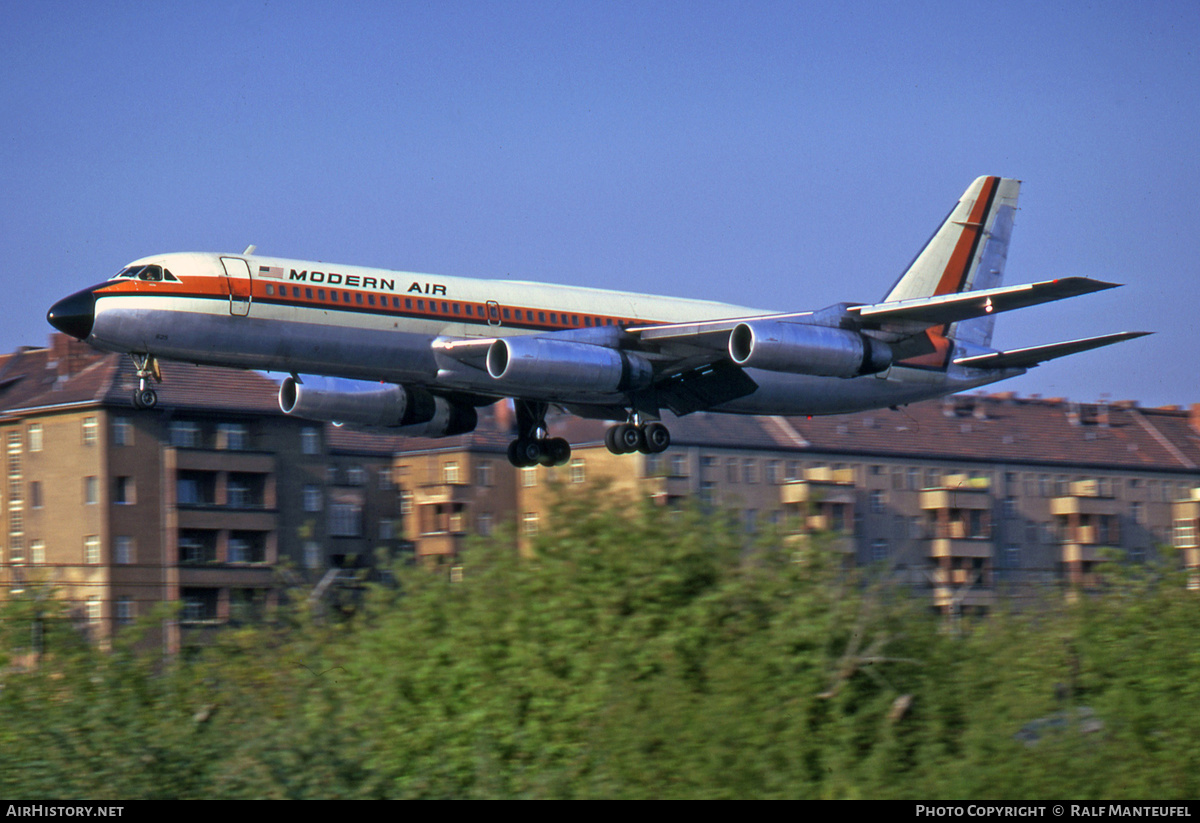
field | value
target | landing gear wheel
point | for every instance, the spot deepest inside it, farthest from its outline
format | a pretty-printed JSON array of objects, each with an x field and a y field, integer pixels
[
  {"x": 145, "y": 398},
  {"x": 657, "y": 438},
  {"x": 559, "y": 450},
  {"x": 628, "y": 437}
]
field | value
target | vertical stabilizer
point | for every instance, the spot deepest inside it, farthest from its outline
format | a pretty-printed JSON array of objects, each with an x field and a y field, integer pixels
[{"x": 967, "y": 253}]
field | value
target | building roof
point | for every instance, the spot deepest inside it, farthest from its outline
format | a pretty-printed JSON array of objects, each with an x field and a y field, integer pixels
[
  {"x": 991, "y": 428},
  {"x": 67, "y": 373}
]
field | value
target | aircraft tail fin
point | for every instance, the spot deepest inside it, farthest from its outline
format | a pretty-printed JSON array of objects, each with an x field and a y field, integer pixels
[{"x": 966, "y": 253}]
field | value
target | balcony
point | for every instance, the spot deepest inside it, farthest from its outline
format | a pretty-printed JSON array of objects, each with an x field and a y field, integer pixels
[
  {"x": 224, "y": 461},
  {"x": 441, "y": 493},
  {"x": 964, "y": 497},
  {"x": 1081, "y": 505},
  {"x": 961, "y": 547}
]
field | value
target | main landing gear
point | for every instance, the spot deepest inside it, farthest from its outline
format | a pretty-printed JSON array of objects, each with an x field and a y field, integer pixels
[
  {"x": 533, "y": 447},
  {"x": 145, "y": 397},
  {"x": 636, "y": 436}
]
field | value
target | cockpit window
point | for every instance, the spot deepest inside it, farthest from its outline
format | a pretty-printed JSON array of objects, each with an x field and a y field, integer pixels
[{"x": 150, "y": 274}]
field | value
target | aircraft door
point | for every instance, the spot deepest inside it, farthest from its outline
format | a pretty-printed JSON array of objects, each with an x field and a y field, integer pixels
[
  {"x": 493, "y": 313},
  {"x": 237, "y": 283}
]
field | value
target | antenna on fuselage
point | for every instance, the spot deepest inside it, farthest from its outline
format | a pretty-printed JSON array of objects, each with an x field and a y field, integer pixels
[{"x": 249, "y": 249}]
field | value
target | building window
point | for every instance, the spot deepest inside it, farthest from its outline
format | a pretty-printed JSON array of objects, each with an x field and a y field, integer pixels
[
  {"x": 772, "y": 473},
  {"x": 125, "y": 612},
  {"x": 345, "y": 520},
  {"x": 91, "y": 489},
  {"x": 879, "y": 551},
  {"x": 93, "y": 610},
  {"x": 312, "y": 554},
  {"x": 750, "y": 471},
  {"x": 1012, "y": 557},
  {"x": 529, "y": 476},
  {"x": 35, "y": 437},
  {"x": 91, "y": 549},
  {"x": 385, "y": 478},
  {"x": 1135, "y": 513},
  {"x": 387, "y": 529},
  {"x": 310, "y": 441},
  {"x": 731, "y": 470},
  {"x": 197, "y": 546},
  {"x": 237, "y": 493},
  {"x": 185, "y": 434},
  {"x": 912, "y": 479},
  {"x": 577, "y": 470},
  {"x": 450, "y": 473},
  {"x": 35, "y": 494},
  {"x": 122, "y": 432},
  {"x": 529, "y": 524},
  {"x": 679, "y": 465},
  {"x": 37, "y": 552},
  {"x": 123, "y": 550},
  {"x": 483, "y": 473},
  {"x": 484, "y": 523},
  {"x": 878, "y": 501},
  {"x": 233, "y": 437},
  {"x": 356, "y": 476},
  {"x": 89, "y": 431},
  {"x": 312, "y": 498},
  {"x": 124, "y": 491},
  {"x": 406, "y": 501}
]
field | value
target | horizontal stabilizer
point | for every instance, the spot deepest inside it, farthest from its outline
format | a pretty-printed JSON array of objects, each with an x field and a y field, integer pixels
[
  {"x": 950, "y": 308},
  {"x": 1025, "y": 358}
]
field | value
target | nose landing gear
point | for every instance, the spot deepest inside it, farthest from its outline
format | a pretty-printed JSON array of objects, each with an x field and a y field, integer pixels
[{"x": 145, "y": 397}]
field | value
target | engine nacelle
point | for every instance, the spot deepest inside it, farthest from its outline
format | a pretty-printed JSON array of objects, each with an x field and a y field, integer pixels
[
  {"x": 566, "y": 365},
  {"x": 802, "y": 349},
  {"x": 410, "y": 411}
]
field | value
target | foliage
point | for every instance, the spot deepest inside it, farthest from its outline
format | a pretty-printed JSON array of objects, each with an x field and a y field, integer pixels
[{"x": 637, "y": 653}]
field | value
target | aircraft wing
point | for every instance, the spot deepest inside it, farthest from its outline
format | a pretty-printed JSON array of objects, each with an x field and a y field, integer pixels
[
  {"x": 909, "y": 316},
  {"x": 1028, "y": 357}
]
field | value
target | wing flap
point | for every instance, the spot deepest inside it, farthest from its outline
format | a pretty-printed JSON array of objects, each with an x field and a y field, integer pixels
[{"x": 1028, "y": 357}]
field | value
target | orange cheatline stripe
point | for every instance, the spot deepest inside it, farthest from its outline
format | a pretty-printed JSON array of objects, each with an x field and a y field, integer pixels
[
  {"x": 960, "y": 261},
  {"x": 217, "y": 287},
  {"x": 955, "y": 274}
]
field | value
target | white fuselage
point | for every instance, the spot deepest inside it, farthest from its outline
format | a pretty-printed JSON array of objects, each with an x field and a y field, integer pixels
[{"x": 348, "y": 321}]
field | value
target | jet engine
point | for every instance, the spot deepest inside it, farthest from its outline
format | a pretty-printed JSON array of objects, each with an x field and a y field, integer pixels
[
  {"x": 802, "y": 349},
  {"x": 410, "y": 411},
  {"x": 566, "y": 365}
]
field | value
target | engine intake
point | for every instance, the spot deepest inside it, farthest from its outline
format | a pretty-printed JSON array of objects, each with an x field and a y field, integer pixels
[
  {"x": 566, "y": 365},
  {"x": 803, "y": 349},
  {"x": 410, "y": 411}
]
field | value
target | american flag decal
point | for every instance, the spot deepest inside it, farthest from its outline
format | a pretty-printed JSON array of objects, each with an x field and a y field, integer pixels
[{"x": 273, "y": 272}]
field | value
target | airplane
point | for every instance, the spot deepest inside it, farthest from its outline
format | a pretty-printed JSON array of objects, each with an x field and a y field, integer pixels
[{"x": 448, "y": 345}]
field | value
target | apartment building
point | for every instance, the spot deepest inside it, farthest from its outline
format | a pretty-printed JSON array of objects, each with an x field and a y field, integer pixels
[
  {"x": 966, "y": 498},
  {"x": 217, "y": 501},
  {"x": 202, "y": 501}
]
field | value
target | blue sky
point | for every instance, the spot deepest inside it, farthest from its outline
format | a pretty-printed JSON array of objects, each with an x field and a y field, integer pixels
[{"x": 782, "y": 155}]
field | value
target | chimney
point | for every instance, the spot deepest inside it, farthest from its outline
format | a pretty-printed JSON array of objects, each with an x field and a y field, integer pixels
[
  {"x": 1194, "y": 417},
  {"x": 71, "y": 356},
  {"x": 505, "y": 417}
]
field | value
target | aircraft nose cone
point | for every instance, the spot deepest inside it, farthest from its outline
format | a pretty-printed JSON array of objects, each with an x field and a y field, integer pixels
[{"x": 74, "y": 315}]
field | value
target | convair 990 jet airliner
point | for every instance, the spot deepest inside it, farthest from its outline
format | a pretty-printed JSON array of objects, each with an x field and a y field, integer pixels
[{"x": 448, "y": 345}]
